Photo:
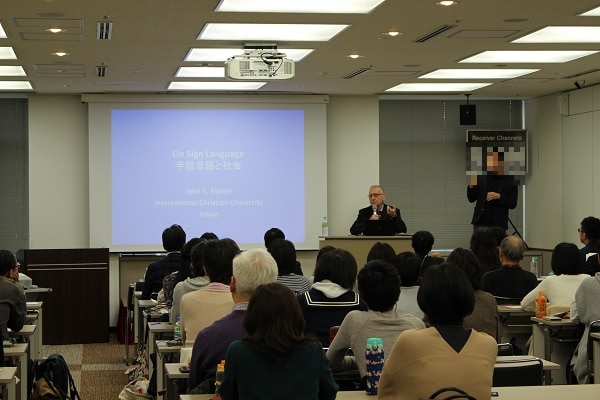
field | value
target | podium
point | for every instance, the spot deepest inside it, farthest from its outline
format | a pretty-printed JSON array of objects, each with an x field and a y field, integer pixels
[{"x": 360, "y": 246}]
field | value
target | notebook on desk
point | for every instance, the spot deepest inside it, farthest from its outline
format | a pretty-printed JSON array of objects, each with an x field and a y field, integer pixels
[{"x": 379, "y": 227}]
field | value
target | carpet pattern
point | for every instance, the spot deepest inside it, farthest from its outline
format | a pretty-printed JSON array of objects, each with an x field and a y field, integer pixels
[{"x": 98, "y": 369}]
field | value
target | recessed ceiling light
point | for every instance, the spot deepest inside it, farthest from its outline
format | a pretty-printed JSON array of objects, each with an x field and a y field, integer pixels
[
  {"x": 592, "y": 13},
  {"x": 477, "y": 73},
  {"x": 7, "y": 53},
  {"x": 2, "y": 32},
  {"x": 15, "y": 85},
  {"x": 60, "y": 54},
  {"x": 12, "y": 70},
  {"x": 204, "y": 55},
  {"x": 216, "y": 85},
  {"x": 200, "y": 72},
  {"x": 437, "y": 87},
  {"x": 446, "y": 3},
  {"x": 392, "y": 33},
  {"x": 305, "y": 6},
  {"x": 276, "y": 32},
  {"x": 354, "y": 56},
  {"x": 563, "y": 34},
  {"x": 55, "y": 30},
  {"x": 528, "y": 56}
]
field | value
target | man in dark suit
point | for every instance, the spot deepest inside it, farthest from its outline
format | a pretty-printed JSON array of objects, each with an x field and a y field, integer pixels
[
  {"x": 173, "y": 239},
  {"x": 377, "y": 210},
  {"x": 494, "y": 194},
  {"x": 589, "y": 233}
]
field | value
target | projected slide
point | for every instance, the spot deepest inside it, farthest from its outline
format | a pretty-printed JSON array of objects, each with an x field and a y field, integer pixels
[{"x": 232, "y": 172}]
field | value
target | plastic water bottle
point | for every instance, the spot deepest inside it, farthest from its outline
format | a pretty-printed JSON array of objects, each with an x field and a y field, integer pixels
[
  {"x": 541, "y": 305},
  {"x": 177, "y": 331},
  {"x": 533, "y": 267},
  {"x": 374, "y": 357},
  {"x": 219, "y": 375},
  {"x": 324, "y": 227}
]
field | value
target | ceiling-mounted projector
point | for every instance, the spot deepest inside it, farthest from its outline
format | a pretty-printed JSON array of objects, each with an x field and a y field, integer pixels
[{"x": 262, "y": 62}]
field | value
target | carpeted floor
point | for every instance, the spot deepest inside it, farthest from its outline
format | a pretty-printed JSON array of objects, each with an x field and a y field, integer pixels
[{"x": 97, "y": 369}]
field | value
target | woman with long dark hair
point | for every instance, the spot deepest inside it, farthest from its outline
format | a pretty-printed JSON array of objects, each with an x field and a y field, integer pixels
[{"x": 276, "y": 361}]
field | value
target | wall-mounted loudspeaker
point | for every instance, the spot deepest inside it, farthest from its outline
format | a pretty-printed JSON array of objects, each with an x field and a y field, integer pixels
[{"x": 468, "y": 114}]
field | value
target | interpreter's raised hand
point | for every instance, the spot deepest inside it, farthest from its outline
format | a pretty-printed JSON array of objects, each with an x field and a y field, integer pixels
[{"x": 492, "y": 196}]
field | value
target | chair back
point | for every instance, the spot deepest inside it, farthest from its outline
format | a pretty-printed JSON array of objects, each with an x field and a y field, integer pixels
[
  {"x": 556, "y": 309},
  {"x": 526, "y": 371},
  {"x": 505, "y": 349},
  {"x": 594, "y": 327}
]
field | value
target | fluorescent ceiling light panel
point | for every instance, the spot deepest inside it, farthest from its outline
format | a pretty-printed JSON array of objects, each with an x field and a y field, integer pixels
[
  {"x": 12, "y": 70},
  {"x": 437, "y": 87},
  {"x": 15, "y": 85},
  {"x": 492, "y": 73},
  {"x": 275, "y": 32},
  {"x": 203, "y": 55},
  {"x": 2, "y": 32},
  {"x": 563, "y": 34},
  {"x": 304, "y": 6},
  {"x": 200, "y": 72},
  {"x": 592, "y": 13},
  {"x": 7, "y": 53},
  {"x": 527, "y": 56},
  {"x": 216, "y": 85}
]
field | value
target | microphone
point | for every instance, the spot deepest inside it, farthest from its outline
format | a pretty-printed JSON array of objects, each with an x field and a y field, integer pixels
[{"x": 374, "y": 210}]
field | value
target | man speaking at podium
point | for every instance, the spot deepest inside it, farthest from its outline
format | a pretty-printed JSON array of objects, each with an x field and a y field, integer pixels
[{"x": 378, "y": 210}]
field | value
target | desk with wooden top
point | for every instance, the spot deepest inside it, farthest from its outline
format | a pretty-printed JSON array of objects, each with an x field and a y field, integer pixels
[
  {"x": 8, "y": 380},
  {"x": 544, "y": 335},
  {"x": 138, "y": 319},
  {"x": 19, "y": 351},
  {"x": 29, "y": 335},
  {"x": 513, "y": 319},
  {"x": 164, "y": 354},
  {"x": 555, "y": 392}
]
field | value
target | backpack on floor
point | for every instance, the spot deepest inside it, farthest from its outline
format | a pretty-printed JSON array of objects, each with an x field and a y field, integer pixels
[{"x": 54, "y": 380}]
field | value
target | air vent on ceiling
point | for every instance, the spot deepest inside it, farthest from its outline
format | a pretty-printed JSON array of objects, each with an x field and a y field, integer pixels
[
  {"x": 101, "y": 71},
  {"x": 434, "y": 33},
  {"x": 356, "y": 73},
  {"x": 104, "y": 30}
]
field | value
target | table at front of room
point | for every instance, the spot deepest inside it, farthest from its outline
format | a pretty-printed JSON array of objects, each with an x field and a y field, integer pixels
[
  {"x": 549, "y": 392},
  {"x": 546, "y": 341}
]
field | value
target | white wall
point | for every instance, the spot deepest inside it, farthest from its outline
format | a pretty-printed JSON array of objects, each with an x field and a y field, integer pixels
[{"x": 352, "y": 158}]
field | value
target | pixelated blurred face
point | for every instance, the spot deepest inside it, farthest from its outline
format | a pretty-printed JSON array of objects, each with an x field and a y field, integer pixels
[
  {"x": 494, "y": 164},
  {"x": 376, "y": 197}
]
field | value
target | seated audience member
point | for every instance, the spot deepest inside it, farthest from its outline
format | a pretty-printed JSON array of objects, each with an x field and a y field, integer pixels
[
  {"x": 324, "y": 250},
  {"x": 585, "y": 309},
  {"x": 276, "y": 233},
  {"x": 510, "y": 283},
  {"x": 331, "y": 296},
  {"x": 559, "y": 288},
  {"x": 183, "y": 272},
  {"x": 209, "y": 236},
  {"x": 251, "y": 269},
  {"x": 284, "y": 253},
  {"x": 12, "y": 297},
  {"x": 422, "y": 243},
  {"x": 592, "y": 264},
  {"x": 589, "y": 233},
  {"x": 484, "y": 246},
  {"x": 499, "y": 234},
  {"x": 484, "y": 317},
  {"x": 195, "y": 281},
  {"x": 173, "y": 239},
  {"x": 276, "y": 361},
  {"x": 381, "y": 251},
  {"x": 408, "y": 266},
  {"x": 446, "y": 354},
  {"x": 201, "y": 308},
  {"x": 379, "y": 287}
]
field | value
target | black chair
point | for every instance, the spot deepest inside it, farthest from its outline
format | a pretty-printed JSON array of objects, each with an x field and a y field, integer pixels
[
  {"x": 594, "y": 327},
  {"x": 505, "y": 349},
  {"x": 526, "y": 371},
  {"x": 129, "y": 322}
]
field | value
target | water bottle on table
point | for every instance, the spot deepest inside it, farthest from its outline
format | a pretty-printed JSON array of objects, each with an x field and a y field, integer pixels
[{"x": 374, "y": 357}]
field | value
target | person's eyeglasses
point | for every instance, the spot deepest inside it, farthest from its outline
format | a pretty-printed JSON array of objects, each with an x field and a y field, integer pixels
[{"x": 374, "y": 195}]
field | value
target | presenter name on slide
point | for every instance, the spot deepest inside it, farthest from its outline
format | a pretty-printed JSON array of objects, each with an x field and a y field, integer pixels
[
  {"x": 195, "y": 155},
  {"x": 208, "y": 191}
]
